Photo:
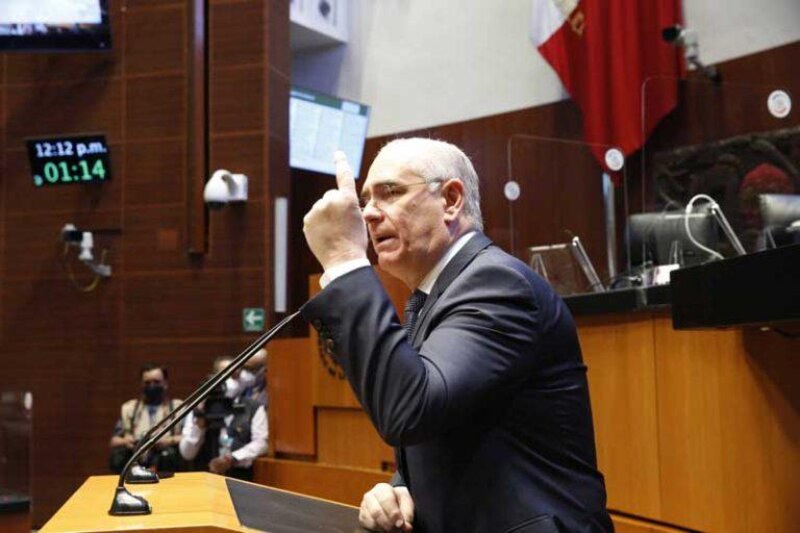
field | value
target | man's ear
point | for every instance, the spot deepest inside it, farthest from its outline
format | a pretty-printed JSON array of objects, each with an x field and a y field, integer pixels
[{"x": 453, "y": 196}]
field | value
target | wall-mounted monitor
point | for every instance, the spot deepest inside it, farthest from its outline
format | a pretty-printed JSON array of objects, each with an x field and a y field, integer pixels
[
  {"x": 320, "y": 124},
  {"x": 54, "y": 25}
]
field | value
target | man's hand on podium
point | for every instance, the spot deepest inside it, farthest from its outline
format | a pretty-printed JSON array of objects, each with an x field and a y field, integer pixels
[{"x": 387, "y": 508}]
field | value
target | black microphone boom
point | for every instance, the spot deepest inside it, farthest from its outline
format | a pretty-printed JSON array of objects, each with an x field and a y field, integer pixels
[{"x": 124, "y": 502}]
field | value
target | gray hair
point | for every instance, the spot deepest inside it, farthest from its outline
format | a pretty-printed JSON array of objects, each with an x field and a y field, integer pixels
[{"x": 433, "y": 161}]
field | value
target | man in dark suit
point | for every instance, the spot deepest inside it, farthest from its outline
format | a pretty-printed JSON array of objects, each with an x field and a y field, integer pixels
[{"x": 482, "y": 391}]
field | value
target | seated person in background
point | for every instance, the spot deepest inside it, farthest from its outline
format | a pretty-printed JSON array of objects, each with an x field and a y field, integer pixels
[
  {"x": 226, "y": 432},
  {"x": 251, "y": 381},
  {"x": 140, "y": 414}
]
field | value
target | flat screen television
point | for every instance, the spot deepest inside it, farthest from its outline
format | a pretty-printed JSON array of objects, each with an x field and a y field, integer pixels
[
  {"x": 320, "y": 124},
  {"x": 54, "y": 25}
]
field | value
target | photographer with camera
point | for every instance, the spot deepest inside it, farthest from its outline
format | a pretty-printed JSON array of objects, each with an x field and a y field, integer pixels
[
  {"x": 226, "y": 432},
  {"x": 140, "y": 414}
]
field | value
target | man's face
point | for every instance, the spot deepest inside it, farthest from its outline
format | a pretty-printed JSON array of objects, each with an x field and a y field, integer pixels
[
  {"x": 153, "y": 377},
  {"x": 405, "y": 219}
]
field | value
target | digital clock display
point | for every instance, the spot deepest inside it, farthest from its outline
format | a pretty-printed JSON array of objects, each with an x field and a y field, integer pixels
[{"x": 64, "y": 160}]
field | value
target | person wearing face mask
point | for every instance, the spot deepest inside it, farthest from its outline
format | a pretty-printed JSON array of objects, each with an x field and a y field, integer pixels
[
  {"x": 251, "y": 383},
  {"x": 227, "y": 431},
  {"x": 140, "y": 414}
]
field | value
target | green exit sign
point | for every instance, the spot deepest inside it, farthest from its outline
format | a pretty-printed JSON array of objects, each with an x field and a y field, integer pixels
[
  {"x": 253, "y": 319},
  {"x": 65, "y": 160}
]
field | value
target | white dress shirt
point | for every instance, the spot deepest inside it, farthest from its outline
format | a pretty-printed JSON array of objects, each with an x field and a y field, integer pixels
[
  {"x": 427, "y": 282},
  {"x": 194, "y": 436}
]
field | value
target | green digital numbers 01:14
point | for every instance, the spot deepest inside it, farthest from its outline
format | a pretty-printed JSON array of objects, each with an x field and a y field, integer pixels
[{"x": 64, "y": 172}]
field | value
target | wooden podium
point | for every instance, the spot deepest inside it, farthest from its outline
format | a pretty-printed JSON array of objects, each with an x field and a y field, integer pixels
[{"x": 198, "y": 502}]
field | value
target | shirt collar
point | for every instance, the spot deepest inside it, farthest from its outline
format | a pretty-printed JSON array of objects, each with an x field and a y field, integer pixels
[{"x": 426, "y": 285}]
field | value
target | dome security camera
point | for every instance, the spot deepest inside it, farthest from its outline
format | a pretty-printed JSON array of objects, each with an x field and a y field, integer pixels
[{"x": 225, "y": 187}]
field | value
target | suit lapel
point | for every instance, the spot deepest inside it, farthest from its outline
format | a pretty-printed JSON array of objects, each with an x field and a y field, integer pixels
[{"x": 464, "y": 257}]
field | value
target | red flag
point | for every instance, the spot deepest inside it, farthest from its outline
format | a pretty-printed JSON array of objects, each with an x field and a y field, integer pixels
[{"x": 603, "y": 51}]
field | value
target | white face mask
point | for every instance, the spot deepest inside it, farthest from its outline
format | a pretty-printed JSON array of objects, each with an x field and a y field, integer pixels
[
  {"x": 232, "y": 388},
  {"x": 246, "y": 379}
]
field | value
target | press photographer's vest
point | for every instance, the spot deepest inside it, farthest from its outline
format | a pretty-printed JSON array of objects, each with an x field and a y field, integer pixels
[{"x": 238, "y": 430}]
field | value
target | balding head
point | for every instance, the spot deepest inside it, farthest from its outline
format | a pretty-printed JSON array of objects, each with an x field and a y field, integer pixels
[{"x": 434, "y": 160}]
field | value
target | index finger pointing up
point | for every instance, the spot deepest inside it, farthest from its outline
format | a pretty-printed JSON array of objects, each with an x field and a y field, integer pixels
[{"x": 344, "y": 174}]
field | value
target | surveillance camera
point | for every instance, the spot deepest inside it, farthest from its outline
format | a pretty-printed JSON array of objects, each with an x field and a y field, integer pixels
[
  {"x": 87, "y": 243},
  {"x": 225, "y": 187},
  {"x": 687, "y": 39},
  {"x": 70, "y": 234}
]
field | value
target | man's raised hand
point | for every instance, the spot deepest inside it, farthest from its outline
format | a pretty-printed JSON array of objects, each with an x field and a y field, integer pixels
[{"x": 333, "y": 227}]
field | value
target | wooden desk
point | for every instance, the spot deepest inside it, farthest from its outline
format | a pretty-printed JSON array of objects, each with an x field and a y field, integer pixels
[{"x": 200, "y": 502}]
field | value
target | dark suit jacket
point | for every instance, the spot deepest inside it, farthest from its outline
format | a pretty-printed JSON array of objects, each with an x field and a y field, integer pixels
[{"x": 488, "y": 406}]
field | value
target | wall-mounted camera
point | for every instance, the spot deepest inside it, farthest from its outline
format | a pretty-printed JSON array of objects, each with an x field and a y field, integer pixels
[
  {"x": 84, "y": 240},
  {"x": 225, "y": 187}
]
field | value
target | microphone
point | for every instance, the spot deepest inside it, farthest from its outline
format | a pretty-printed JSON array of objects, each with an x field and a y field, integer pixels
[{"x": 124, "y": 502}]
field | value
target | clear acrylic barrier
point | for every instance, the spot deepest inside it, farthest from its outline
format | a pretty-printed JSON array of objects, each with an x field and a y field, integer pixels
[
  {"x": 16, "y": 426},
  {"x": 731, "y": 142},
  {"x": 558, "y": 190}
]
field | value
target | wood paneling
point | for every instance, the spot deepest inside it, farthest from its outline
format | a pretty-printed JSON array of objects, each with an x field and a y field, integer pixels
[
  {"x": 237, "y": 99},
  {"x": 55, "y": 107},
  {"x": 165, "y": 46},
  {"x": 620, "y": 354},
  {"x": 729, "y": 429},
  {"x": 291, "y": 412},
  {"x": 154, "y": 172},
  {"x": 625, "y": 524},
  {"x": 336, "y": 483},
  {"x": 346, "y": 437},
  {"x": 198, "y": 304},
  {"x": 237, "y": 33},
  {"x": 16, "y": 522},
  {"x": 78, "y": 352},
  {"x": 156, "y": 107},
  {"x": 41, "y": 309}
]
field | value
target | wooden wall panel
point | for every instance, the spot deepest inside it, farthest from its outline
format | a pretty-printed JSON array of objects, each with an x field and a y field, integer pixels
[
  {"x": 33, "y": 68},
  {"x": 339, "y": 484},
  {"x": 346, "y": 437},
  {"x": 237, "y": 99},
  {"x": 44, "y": 309},
  {"x": 155, "y": 173},
  {"x": 155, "y": 108},
  {"x": 63, "y": 107},
  {"x": 729, "y": 429},
  {"x": 626, "y": 524},
  {"x": 80, "y": 353},
  {"x": 155, "y": 239},
  {"x": 620, "y": 354},
  {"x": 207, "y": 304},
  {"x": 237, "y": 33},
  {"x": 164, "y": 49},
  {"x": 291, "y": 411}
]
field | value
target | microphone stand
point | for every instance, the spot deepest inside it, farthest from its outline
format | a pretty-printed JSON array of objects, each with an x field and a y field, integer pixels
[{"x": 124, "y": 502}]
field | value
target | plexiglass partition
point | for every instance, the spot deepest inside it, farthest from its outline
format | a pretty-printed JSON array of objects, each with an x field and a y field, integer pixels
[
  {"x": 728, "y": 151},
  {"x": 558, "y": 190},
  {"x": 16, "y": 423}
]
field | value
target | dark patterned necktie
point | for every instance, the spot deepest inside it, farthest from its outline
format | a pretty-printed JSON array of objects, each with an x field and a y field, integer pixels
[{"x": 411, "y": 312}]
